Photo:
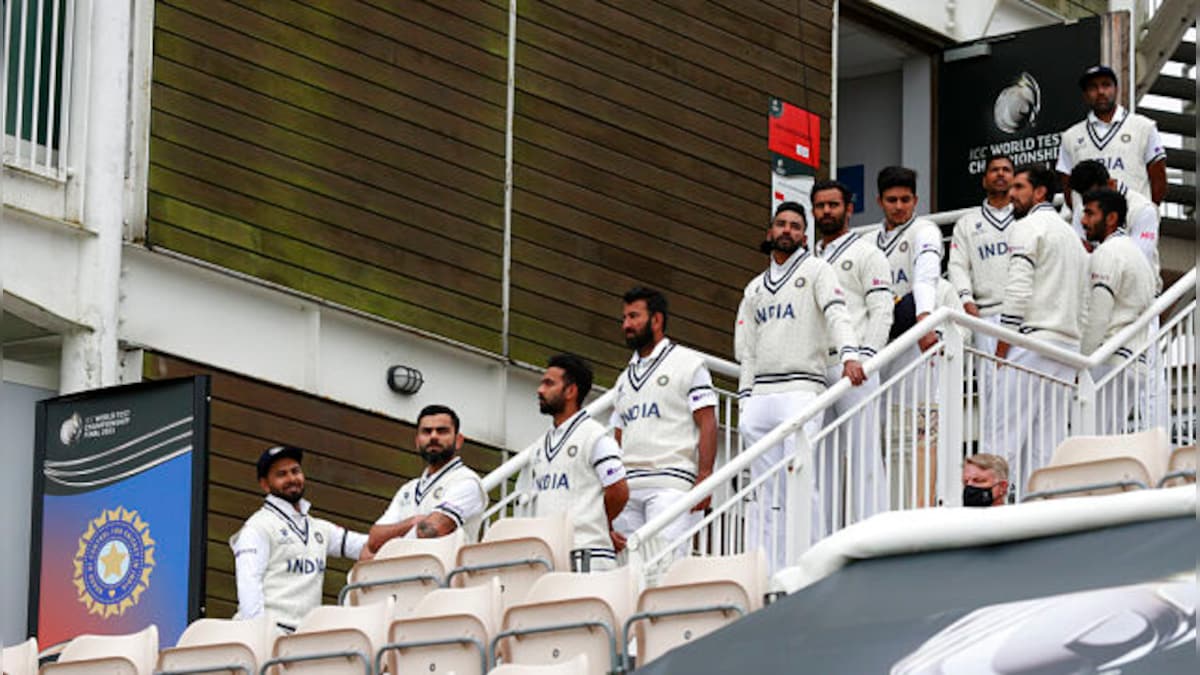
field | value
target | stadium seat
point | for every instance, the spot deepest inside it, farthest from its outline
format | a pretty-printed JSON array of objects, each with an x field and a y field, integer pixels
[
  {"x": 231, "y": 645},
  {"x": 516, "y": 551},
  {"x": 132, "y": 654},
  {"x": 695, "y": 597},
  {"x": 405, "y": 569},
  {"x": 333, "y": 640},
  {"x": 1182, "y": 467},
  {"x": 1095, "y": 465},
  {"x": 20, "y": 659},
  {"x": 566, "y": 614},
  {"x": 576, "y": 666},
  {"x": 448, "y": 632}
]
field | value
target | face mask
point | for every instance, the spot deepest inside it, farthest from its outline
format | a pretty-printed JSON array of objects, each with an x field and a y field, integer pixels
[
  {"x": 977, "y": 496},
  {"x": 432, "y": 458}
]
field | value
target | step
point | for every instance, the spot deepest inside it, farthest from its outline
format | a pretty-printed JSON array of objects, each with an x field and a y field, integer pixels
[
  {"x": 1180, "y": 228},
  {"x": 1174, "y": 87},
  {"x": 1181, "y": 194},
  {"x": 1172, "y": 123},
  {"x": 1185, "y": 52},
  {"x": 1181, "y": 158}
]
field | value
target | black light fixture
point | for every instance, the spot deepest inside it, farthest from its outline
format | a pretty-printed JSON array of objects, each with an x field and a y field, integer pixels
[{"x": 404, "y": 380}]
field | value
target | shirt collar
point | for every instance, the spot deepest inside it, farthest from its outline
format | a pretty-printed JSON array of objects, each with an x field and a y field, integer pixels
[
  {"x": 822, "y": 247},
  {"x": 777, "y": 268},
  {"x": 560, "y": 429},
  {"x": 637, "y": 360},
  {"x": 286, "y": 507},
  {"x": 998, "y": 212},
  {"x": 1097, "y": 122}
]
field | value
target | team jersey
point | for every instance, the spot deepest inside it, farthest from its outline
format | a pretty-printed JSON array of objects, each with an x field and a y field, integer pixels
[
  {"x": 1047, "y": 277},
  {"x": 979, "y": 256},
  {"x": 1141, "y": 222},
  {"x": 655, "y": 399},
  {"x": 280, "y": 558},
  {"x": 571, "y": 465},
  {"x": 865, "y": 276},
  {"x": 454, "y": 490},
  {"x": 914, "y": 253},
  {"x": 1125, "y": 147},
  {"x": 790, "y": 316},
  {"x": 1122, "y": 287}
]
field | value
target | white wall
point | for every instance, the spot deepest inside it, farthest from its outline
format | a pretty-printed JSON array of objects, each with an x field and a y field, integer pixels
[{"x": 16, "y": 458}]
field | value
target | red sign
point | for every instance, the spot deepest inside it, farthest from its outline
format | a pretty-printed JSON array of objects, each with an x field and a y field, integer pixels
[{"x": 794, "y": 134}]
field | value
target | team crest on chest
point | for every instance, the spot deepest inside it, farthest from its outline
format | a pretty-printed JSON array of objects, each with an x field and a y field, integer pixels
[
  {"x": 1125, "y": 138},
  {"x": 437, "y": 494},
  {"x": 800, "y": 282},
  {"x": 663, "y": 380},
  {"x": 903, "y": 246},
  {"x": 846, "y": 265},
  {"x": 572, "y": 451},
  {"x": 319, "y": 537}
]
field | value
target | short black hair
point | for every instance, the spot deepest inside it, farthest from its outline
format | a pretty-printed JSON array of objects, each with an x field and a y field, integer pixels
[
  {"x": 896, "y": 176},
  {"x": 438, "y": 409},
  {"x": 576, "y": 371},
  {"x": 847, "y": 195},
  {"x": 656, "y": 302},
  {"x": 1040, "y": 176},
  {"x": 1088, "y": 175},
  {"x": 792, "y": 206},
  {"x": 1109, "y": 201},
  {"x": 993, "y": 156}
]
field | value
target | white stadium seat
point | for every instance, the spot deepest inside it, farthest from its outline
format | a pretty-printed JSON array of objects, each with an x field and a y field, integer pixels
[
  {"x": 405, "y": 569},
  {"x": 449, "y": 631},
  {"x": 566, "y": 614},
  {"x": 695, "y": 597},
  {"x": 1095, "y": 465},
  {"x": 333, "y": 640},
  {"x": 20, "y": 659},
  {"x": 576, "y": 666},
  {"x": 517, "y": 551},
  {"x": 1182, "y": 467},
  {"x": 132, "y": 654},
  {"x": 211, "y": 643}
]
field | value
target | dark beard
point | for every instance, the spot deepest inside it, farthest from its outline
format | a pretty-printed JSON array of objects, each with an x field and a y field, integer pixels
[
  {"x": 435, "y": 457},
  {"x": 640, "y": 339},
  {"x": 830, "y": 226},
  {"x": 769, "y": 246},
  {"x": 550, "y": 407},
  {"x": 1019, "y": 211},
  {"x": 288, "y": 499}
]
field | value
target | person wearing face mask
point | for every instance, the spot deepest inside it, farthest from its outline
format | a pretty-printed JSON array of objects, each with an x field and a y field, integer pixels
[
  {"x": 985, "y": 480},
  {"x": 280, "y": 552},
  {"x": 446, "y": 496}
]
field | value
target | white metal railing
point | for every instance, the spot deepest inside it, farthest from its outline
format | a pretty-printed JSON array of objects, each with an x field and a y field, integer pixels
[
  {"x": 923, "y": 470},
  {"x": 35, "y": 99}
]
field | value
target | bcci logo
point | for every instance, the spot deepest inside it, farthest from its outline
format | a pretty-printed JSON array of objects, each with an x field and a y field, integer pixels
[
  {"x": 663, "y": 380},
  {"x": 114, "y": 561}
]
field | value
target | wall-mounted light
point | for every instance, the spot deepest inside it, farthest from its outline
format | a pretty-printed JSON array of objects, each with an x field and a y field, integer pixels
[{"x": 404, "y": 380}]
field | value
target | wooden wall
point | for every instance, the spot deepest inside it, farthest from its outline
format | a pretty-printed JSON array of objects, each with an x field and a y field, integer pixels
[
  {"x": 355, "y": 463},
  {"x": 354, "y": 149}
]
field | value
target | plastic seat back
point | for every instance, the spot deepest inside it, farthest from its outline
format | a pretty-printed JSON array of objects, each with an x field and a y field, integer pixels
[
  {"x": 1099, "y": 477},
  {"x": 211, "y": 643},
  {"x": 516, "y": 551},
  {"x": 1151, "y": 447},
  {"x": 417, "y": 566},
  {"x": 20, "y": 659},
  {"x": 567, "y": 614},
  {"x": 470, "y": 616},
  {"x": 712, "y": 591},
  {"x": 576, "y": 666},
  {"x": 1183, "y": 463},
  {"x": 334, "y": 640},
  {"x": 132, "y": 654}
]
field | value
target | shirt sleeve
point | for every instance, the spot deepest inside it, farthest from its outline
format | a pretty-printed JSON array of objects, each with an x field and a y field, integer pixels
[
  {"x": 744, "y": 345},
  {"x": 251, "y": 550},
  {"x": 615, "y": 420},
  {"x": 1104, "y": 277},
  {"x": 701, "y": 393},
  {"x": 343, "y": 543},
  {"x": 832, "y": 301},
  {"x": 391, "y": 516},
  {"x": 1065, "y": 162},
  {"x": 1154, "y": 146},
  {"x": 876, "y": 278},
  {"x": 960, "y": 261},
  {"x": 927, "y": 267},
  {"x": 464, "y": 500},
  {"x": 606, "y": 461},
  {"x": 1143, "y": 228},
  {"x": 1022, "y": 261}
]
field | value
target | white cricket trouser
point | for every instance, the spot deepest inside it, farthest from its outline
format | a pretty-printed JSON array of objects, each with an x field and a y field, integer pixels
[
  {"x": 1035, "y": 410},
  {"x": 766, "y": 522},
  {"x": 644, "y": 505},
  {"x": 990, "y": 419},
  {"x": 859, "y": 456}
]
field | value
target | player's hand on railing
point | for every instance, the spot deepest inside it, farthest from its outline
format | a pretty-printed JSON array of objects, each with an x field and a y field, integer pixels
[
  {"x": 853, "y": 369},
  {"x": 927, "y": 341},
  {"x": 1002, "y": 348},
  {"x": 703, "y": 504},
  {"x": 971, "y": 308},
  {"x": 618, "y": 540}
]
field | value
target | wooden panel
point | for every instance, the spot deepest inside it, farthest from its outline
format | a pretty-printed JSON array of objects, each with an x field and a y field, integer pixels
[
  {"x": 355, "y": 461},
  {"x": 342, "y": 149},
  {"x": 640, "y": 143}
]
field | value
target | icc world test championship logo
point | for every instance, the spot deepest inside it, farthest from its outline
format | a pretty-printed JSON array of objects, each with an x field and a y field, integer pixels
[{"x": 114, "y": 561}]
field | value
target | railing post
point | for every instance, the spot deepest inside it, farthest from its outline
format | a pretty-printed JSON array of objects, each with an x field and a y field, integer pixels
[
  {"x": 1083, "y": 414},
  {"x": 799, "y": 499},
  {"x": 951, "y": 416}
]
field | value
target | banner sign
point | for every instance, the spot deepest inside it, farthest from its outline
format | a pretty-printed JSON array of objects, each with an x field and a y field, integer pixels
[
  {"x": 993, "y": 96},
  {"x": 794, "y": 146},
  {"x": 119, "y": 511}
]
